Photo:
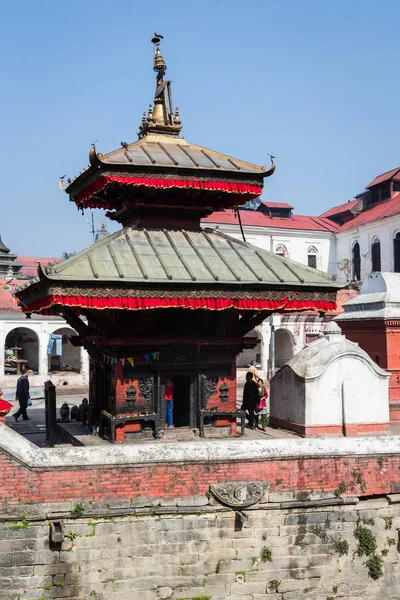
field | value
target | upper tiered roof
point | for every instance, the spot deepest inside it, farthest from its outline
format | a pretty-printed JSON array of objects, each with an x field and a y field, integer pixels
[{"x": 162, "y": 160}]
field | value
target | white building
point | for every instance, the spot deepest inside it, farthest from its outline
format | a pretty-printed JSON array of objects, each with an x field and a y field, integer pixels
[
  {"x": 69, "y": 371},
  {"x": 348, "y": 241},
  {"x": 368, "y": 238},
  {"x": 24, "y": 342}
]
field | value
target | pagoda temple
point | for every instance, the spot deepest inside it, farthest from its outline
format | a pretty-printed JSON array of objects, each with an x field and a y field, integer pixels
[{"x": 162, "y": 297}]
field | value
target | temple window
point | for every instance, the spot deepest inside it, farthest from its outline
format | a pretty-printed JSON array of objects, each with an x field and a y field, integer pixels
[
  {"x": 376, "y": 255},
  {"x": 21, "y": 351},
  {"x": 396, "y": 252},
  {"x": 312, "y": 255},
  {"x": 356, "y": 262}
]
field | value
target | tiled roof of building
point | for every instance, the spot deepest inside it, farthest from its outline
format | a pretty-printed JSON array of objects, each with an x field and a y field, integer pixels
[
  {"x": 276, "y": 204},
  {"x": 338, "y": 210},
  {"x": 375, "y": 213},
  {"x": 256, "y": 218},
  {"x": 30, "y": 264},
  {"x": 393, "y": 174},
  {"x": 7, "y": 301},
  {"x": 166, "y": 257}
]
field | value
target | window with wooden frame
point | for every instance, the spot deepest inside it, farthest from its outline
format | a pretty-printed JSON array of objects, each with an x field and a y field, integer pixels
[
  {"x": 312, "y": 256},
  {"x": 376, "y": 255}
]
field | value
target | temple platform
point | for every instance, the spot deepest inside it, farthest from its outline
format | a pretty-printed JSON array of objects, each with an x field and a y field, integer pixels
[{"x": 75, "y": 434}]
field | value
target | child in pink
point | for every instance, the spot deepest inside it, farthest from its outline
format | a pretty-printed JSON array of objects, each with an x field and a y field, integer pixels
[{"x": 169, "y": 402}]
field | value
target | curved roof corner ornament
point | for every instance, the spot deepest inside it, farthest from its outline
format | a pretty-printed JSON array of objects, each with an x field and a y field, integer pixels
[
  {"x": 272, "y": 167},
  {"x": 94, "y": 158}
]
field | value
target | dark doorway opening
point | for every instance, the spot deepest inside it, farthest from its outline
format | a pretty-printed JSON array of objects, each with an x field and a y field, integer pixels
[
  {"x": 396, "y": 248},
  {"x": 181, "y": 400}
]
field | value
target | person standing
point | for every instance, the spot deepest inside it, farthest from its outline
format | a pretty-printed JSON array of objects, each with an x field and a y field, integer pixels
[
  {"x": 254, "y": 371},
  {"x": 169, "y": 402},
  {"x": 251, "y": 398},
  {"x": 22, "y": 395},
  {"x": 261, "y": 410}
]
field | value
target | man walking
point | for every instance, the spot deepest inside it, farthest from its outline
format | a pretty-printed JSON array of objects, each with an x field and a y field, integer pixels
[
  {"x": 251, "y": 398},
  {"x": 22, "y": 395}
]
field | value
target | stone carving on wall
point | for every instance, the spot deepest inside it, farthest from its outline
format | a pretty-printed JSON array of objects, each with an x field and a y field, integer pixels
[
  {"x": 179, "y": 353},
  {"x": 210, "y": 387},
  {"x": 131, "y": 396},
  {"x": 146, "y": 388},
  {"x": 238, "y": 494},
  {"x": 223, "y": 392}
]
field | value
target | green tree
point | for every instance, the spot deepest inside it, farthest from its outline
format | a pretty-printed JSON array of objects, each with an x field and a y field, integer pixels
[{"x": 66, "y": 255}]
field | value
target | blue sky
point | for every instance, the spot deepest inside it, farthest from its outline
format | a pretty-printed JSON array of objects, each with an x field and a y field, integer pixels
[{"x": 314, "y": 82}]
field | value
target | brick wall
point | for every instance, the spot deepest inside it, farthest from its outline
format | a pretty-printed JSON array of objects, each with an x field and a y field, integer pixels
[{"x": 367, "y": 476}]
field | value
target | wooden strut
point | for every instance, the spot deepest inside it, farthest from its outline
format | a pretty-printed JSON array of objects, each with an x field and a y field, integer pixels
[
  {"x": 249, "y": 322},
  {"x": 83, "y": 330},
  {"x": 240, "y": 222}
]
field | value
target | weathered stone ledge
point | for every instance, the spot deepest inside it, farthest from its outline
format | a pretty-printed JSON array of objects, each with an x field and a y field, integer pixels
[
  {"x": 120, "y": 508},
  {"x": 230, "y": 450}
]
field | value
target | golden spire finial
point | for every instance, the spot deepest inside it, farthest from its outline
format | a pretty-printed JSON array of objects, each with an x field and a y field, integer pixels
[{"x": 162, "y": 118}]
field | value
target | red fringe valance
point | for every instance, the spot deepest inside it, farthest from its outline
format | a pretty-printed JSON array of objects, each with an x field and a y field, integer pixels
[
  {"x": 102, "y": 182},
  {"x": 45, "y": 305}
]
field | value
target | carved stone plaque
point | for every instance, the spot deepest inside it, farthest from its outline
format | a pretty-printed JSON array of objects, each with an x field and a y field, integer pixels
[
  {"x": 146, "y": 388},
  {"x": 238, "y": 494}
]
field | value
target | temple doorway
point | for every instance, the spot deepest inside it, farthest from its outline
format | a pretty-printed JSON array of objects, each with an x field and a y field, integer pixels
[{"x": 181, "y": 400}]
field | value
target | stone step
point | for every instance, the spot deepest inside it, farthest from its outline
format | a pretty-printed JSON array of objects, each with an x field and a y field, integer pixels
[{"x": 181, "y": 434}]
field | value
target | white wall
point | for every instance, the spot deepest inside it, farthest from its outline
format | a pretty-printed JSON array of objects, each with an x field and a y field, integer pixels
[
  {"x": 319, "y": 401},
  {"x": 385, "y": 230}
]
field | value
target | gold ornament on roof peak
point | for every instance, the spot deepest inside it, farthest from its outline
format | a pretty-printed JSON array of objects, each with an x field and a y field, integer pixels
[{"x": 161, "y": 118}]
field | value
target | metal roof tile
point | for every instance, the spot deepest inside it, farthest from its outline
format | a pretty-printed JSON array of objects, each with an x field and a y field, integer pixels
[{"x": 165, "y": 151}]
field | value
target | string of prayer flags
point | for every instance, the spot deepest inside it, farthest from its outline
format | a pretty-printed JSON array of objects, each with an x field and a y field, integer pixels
[{"x": 132, "y": 359}]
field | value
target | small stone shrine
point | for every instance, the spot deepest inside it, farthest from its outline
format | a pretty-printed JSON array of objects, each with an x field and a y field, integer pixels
[
  {"x": 330, "y": 387},
  {"x": 163, "y": 297},
  {"x": 372, "y": 319}
]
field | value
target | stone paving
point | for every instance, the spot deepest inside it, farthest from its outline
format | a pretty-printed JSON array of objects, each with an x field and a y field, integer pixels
[{"x": 34, "y": 430}]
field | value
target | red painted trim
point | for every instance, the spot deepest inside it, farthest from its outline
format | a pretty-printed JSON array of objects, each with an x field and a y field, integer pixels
[
  {"x": 394, "y": 414},
  {"x": 349, "y": 429},
  {"x": 45, "y": 305},
  {"x": 102, "y": 182}
]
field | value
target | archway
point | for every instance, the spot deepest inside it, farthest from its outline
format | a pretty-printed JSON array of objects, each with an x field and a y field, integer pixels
[
  {"x": 249, "y": 354},
  {"x": 21, "y": 351},
  {"x": 284, "y": 344},
  {"x": 64, "y": 356}
]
